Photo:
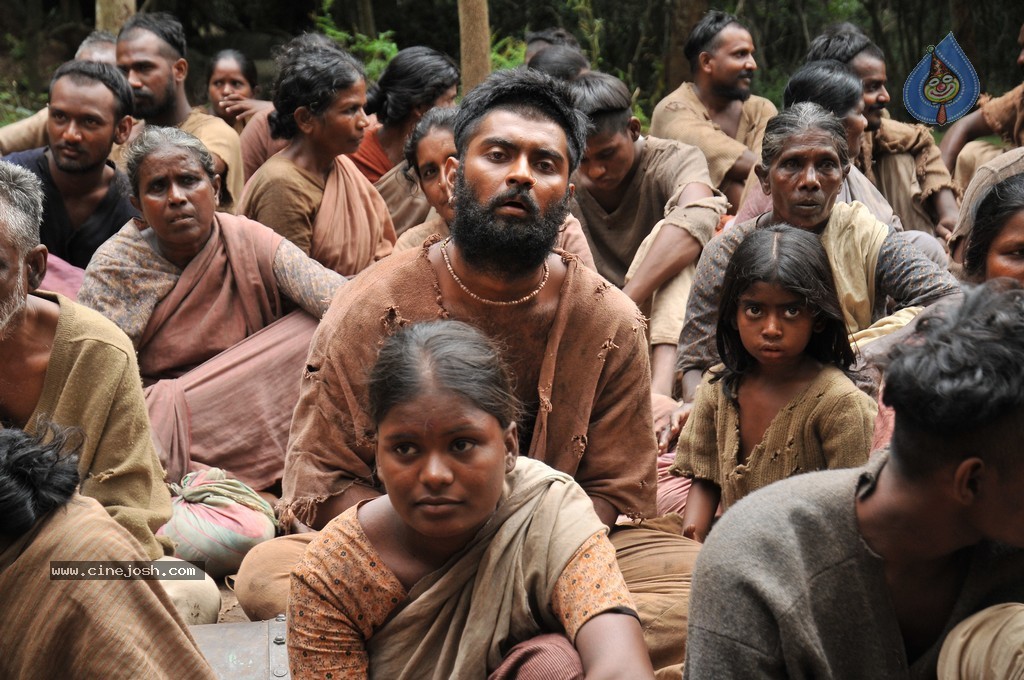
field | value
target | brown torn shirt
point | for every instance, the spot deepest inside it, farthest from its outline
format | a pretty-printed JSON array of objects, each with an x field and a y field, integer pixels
[
  {"x": 894, "y": 137},
  {"x": 587, "y": 376},
  {"x": 683, "y": 117},
  {"x": 666, "y": 167},
  {"x": 1005, "y": 114}
]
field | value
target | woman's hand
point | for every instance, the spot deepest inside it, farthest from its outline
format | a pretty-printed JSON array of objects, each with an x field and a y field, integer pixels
[
  {"x": 669, "y": 434},
  {"x": 241, "y": 107}
]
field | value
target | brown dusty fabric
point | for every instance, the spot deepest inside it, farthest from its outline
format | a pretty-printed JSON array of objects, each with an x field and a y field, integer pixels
[
  {"x": 22, "y": 135},
  {"x": 92, "y": 383},
  {"x": 233, "y": 411},
  {"x": 986, "y": 646},
  {"x": 683, "y": 117},
  {"x": 665, "y": 168},
  {"x": 592, "y": 397},
  {"x": 828, "y": 425},
  {"x": 545, "y": 657},
  {"x": 257, "y": 144},
  {"x": 459, "y": 620},
  {"x": 370, "y": 158},
  {"x": 995, "y": 171},
  {"x": 341, "y": 222},
  {"x": 570, "y": 238},
  {"x": 406, "y": 203},
  {"x": 200, "y": 325},
  {"x": 227, "y": 292},
  {"x": 655, "y": 560},
  {"x": 894, "y": 138},
  {"x": 116, "y": 629},
  {"x": 1005, "y": 114},
  {"x": 974, "y": 155}
]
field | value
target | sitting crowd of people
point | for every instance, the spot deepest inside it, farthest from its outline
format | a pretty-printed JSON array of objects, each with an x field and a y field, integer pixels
[{"x": 535, "y": 394}]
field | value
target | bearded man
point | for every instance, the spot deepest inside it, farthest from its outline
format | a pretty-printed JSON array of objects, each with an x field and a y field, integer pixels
[
  {"x": 86, "y": 198},
  {"x": 716, "y": 112},
  {"x": 151, "y": 52},
  {"x": 574, "y": 342}
]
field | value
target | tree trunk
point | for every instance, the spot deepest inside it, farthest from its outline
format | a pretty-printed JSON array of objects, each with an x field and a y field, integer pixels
[
  {"x": 367, "y": 25},
  {"x": 474, "y": 42},
  {"x": 110, "y": 14},
  {"x": 684, "y": 14}
]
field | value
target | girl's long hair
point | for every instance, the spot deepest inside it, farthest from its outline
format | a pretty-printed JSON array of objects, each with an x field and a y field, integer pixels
[{"x": 794, "y": 259}]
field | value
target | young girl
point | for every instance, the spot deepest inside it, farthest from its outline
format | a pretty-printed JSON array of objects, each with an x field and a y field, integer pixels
[
  {"x": 477, "y": 563},
  {"x": 781, "y": 403}
]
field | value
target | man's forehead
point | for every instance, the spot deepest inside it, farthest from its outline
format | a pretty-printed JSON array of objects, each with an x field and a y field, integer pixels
[
  {"x": 498, "y": 120},
  {"x": 140, "y": 41},
  {"x": 82, "y": 90}
]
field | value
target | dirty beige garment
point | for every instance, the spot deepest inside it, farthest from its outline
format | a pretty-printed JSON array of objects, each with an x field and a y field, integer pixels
[
  {"x": 116, "y": 629},
  {"x": 92, "y": 382},
  {"x": 592, "y": 398},
  {"x": 22, "y": 135},
  {"x": 682, "y": 116},
  {"x": 406, "y": 203}
]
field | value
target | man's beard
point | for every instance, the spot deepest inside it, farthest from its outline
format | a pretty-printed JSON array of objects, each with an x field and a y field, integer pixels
[
  {"x": 12, "y": 306},
  {"x": 735, "y": 92},
  {"x": 154, "y": 109},
  {"x": 76, "y": 167},
  {"x": 508, "y": 247}
]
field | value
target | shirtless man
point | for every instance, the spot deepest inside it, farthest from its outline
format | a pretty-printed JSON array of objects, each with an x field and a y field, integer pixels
[
  {"x": 151, "y": 52},
  {"x": 86, "y": 198},
  {"x": 862, "y": 573},
  {"x": 717, "y": 112}
]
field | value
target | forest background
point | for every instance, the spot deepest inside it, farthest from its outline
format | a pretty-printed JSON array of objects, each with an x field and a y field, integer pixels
[{"x": 638, "y": 40}]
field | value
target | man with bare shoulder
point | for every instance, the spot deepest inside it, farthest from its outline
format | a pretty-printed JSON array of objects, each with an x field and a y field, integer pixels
[
  {"x": 86, "y": 198},
  {"x": 864, "y": 573},
  {"x": 716, "y": 112},
  {"x": 151, "y": 52}
]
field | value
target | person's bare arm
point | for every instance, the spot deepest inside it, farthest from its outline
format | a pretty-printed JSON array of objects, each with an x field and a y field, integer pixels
[
  {"x": 663, "y": 373},
  {"x": 944, "y": 206},
  {"x": 701, "y": 505},
  {"x": 606, "y": 512},
  {"x": 967, "y": 129},
  {"x": 670, "y": 433},
  {"x": 673, "y": 250},
  {"x": 611, "y": 645},
  {"x": 335, "y": 505}
]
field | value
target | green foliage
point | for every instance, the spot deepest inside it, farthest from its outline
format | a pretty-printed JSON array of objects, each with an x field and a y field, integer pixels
[
  {"x": 507, "y": 52},
  {"x": 15, "y": 105},
  {"x": 374, "y": 52},
  {"x": 591, "y": 27}
]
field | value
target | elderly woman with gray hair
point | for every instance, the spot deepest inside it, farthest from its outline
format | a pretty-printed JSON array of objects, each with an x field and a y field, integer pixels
[
  {"x": 804, "y": 159},
  {"x": 203, "y": 296}
]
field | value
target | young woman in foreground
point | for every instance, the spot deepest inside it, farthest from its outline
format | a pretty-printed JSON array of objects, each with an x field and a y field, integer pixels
[{"x": 477, "y": 563}]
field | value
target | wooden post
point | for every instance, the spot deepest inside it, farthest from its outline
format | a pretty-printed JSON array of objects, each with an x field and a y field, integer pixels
[
  {"x": 110, "y": 14},
  {"x": 474, "y": 42}
]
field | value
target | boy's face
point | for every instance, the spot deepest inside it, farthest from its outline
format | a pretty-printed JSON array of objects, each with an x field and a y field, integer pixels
[{"x": 609, "y": 159}]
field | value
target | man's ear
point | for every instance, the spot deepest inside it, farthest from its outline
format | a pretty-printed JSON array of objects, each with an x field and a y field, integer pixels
[
  {"x": 35, "y": 266},
  {"x": 180, "y": 70},
  {"x": 704, "y": 61},
  {"x": 123, "y": 129},
  {"x": 762, "y": 179},
  {"x": 571, "y": 190},
  {"x": 968, "y": 479},
  {"x": 451, "y": 167},
  {"x": 634, "y": 128}
]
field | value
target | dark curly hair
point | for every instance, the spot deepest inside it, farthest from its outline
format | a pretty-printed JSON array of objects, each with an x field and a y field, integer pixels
[
  {"x": 523, "y": 90},
  {"x": 704, "y": 35},
  {"x": 957, "y": 384},
  {"x": 163, "y": 25},
  {"x": 312, "y": 70},
  {"x": 415, "y": 77},
  {"x": 842, "y": 42}
]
